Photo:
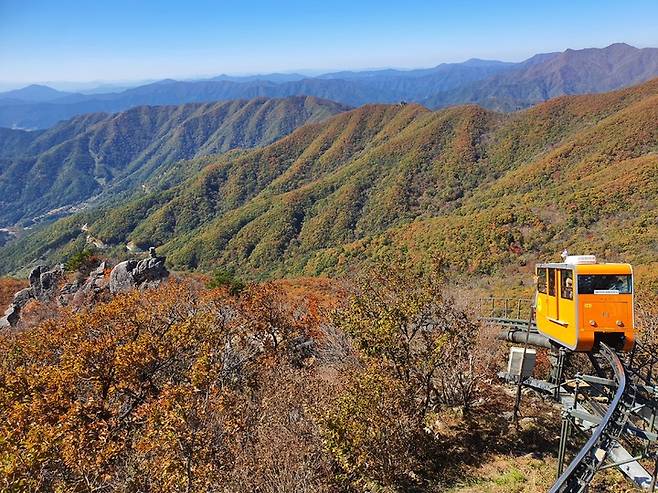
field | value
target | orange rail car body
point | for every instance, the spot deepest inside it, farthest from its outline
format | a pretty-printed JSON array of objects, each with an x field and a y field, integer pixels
[{"x": 580, "y": 303}]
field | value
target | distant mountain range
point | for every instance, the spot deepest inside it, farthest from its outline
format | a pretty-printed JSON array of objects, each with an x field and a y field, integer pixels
[
  {"x": 484, "y": 190},
  {"x": 491, "y": 84},
  {"x": 52, "y": 172},
  {"x": 546, "y": 76},
  {"x": 34, "y": 93}
]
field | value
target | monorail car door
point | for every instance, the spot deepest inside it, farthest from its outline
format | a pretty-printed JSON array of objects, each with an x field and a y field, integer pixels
[
  {"x": 566, "y": 305},
  {"x": 553, "y": 303}
]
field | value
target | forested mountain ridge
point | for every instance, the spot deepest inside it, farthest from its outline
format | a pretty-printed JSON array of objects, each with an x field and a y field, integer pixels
[
  {"x": 480, "y": 188},
  {"x": 492, "y": 84},
  {"x": 90, "y": 154},
  {"x": 547, "y": 76}
]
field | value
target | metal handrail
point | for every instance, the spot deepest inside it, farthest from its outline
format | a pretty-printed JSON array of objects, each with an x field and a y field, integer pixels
[{"x": 507, "y": 307}]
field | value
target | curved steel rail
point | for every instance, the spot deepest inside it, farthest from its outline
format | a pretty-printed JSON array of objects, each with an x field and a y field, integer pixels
[{"x": 591, "y": 456}]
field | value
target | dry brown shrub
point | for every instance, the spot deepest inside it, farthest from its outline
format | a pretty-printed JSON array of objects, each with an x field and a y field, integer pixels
[
  {"x": 175, "y": 389},
  {"x": 8, "y": 287}
]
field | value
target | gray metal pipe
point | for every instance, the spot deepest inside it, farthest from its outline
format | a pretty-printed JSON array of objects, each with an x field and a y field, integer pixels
[{"x": 519, "y": 336}]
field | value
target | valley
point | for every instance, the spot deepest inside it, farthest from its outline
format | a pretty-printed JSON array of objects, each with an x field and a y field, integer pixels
[
  {"x": 338, "y": 266},
  {"x": 53, "y": 171}
]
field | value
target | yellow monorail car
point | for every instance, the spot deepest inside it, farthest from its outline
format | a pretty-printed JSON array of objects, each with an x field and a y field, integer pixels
[{"x": 580, "y": 303}]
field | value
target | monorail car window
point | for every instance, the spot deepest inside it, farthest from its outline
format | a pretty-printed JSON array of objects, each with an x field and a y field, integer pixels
[
  {"x": 566, "y": 284},
  {"x": 541, "y": 280},
  {"x": 551, "y": 282},
  {"x": 605, "y": 284}
]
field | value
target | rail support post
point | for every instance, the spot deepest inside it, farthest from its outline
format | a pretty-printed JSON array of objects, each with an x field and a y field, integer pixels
[
  {"x": 557, "y": 370},
  {"x": 564, "y": 436},
  {"x": 565, "y": 431},
  {"x": 517, "y": 402}
]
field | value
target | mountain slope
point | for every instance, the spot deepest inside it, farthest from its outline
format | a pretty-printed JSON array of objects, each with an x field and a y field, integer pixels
[
  {"x": 14, "y": 143},
  {"x": 416, "y": 85},
  {"x": 595, "y": 192},
  {"x": 88, "y": 155},
  {"x": 590, "y": 185},
  {"x": 484, "y": 190},
  {"x": 351, "y": 88}
]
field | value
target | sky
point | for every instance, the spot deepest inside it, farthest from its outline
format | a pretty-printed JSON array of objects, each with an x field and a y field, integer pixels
[{"x": 121, "y": 40}]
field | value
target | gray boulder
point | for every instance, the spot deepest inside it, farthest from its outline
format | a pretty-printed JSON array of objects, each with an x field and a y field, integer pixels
[
  {"x": 150, "y": 272},
  {"x": 44, "y": 283},
  {"x": 121, "y": 277},
  {"x": 23, "y": 296},
  {"x": 49, "y": 279},
  {"x": 11, "y": 317},
  {"x": 35, "y": 275},
  {"x": 141, "y": 274},
  {"x": 68, "y": 292},
  {"x": 96, "y": 280}
]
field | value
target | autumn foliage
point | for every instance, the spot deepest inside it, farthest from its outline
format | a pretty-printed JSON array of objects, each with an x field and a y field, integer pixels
[
  {"x": 189, "y": 389},
  {"x": 146, "y": 392},
  {"x": 8, "y": 286}
]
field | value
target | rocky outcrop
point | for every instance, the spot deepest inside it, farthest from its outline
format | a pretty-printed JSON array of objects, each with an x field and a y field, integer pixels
[
  {"x": 43, "y": 286},
  {"x": 46, "y": 285},
  {"x": 23, "y": 296},
  {"x": 35, "y": 274},
  {"x": 92, "y": 287},
  {"x": 11, "y": 317},
  {"x": 138, "y": 274},
  {"x": 44, "y": 282},
  {"x": 95, "y": 283},
  {"x": 121, "y": 277}
]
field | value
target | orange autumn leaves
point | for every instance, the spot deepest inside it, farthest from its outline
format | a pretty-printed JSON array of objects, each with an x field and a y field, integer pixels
[
  {"x": 187, "y": 389},
  {"x": 140, "y": 391}
]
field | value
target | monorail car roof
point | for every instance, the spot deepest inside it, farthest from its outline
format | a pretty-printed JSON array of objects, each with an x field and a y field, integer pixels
[{"x": 612, "y": 268}]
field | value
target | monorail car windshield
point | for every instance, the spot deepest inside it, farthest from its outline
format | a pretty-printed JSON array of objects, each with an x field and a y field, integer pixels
[{"x": 605, "y": 284}]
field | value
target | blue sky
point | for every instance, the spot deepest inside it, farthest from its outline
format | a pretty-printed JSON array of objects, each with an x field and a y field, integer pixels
[{"x": 131, "y": 40}]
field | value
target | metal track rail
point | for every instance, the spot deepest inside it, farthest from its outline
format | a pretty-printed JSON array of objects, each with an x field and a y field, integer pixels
[
  {"x": 591, "y": 456},
  {"x": 630, "y": 389}
]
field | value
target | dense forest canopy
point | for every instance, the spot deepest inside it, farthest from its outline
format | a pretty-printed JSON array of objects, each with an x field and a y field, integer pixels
[{"x": 489, "y": 192}]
